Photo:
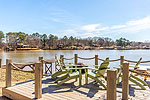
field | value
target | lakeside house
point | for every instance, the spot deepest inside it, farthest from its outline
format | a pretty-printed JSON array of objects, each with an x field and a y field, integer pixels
[{"x": 21, "y": 46}]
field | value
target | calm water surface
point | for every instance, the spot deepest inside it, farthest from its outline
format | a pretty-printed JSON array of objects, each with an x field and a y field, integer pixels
[{"x": 32, "y": 56}]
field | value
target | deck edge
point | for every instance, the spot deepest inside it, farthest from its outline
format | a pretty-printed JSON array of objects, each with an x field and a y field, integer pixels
[{"x": 13, "y": 95}]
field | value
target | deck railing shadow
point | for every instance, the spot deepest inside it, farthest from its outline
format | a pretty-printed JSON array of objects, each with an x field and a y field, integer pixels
[
  {"x": 131, "y": 89},
  {"x": 148, "y": 82},
  {"x": 93, "y": 89},
  {"x": 51, "y": 88},
  {"x": 47, "y": 81},
  {"x": 24, "y": 82}
]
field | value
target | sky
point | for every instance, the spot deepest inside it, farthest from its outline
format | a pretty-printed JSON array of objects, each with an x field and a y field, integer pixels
[{"x": 79, "y": 18}]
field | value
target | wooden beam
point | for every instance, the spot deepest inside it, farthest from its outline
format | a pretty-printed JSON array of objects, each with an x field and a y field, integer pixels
[
  {"x": 125, "y": 81},
  {"x": 38, "y": 80},
  {"x": 111, "y": 84},
  {"x": 41, "y": 60},
  {"x": 75, "y": 59},
  {"x": 121, "y": 60},
  {"x": 8, "y": 73},
  {"x": 96, "y": 59},
  {"x": 121, "y": 64},
  {"x": 80, "y": 77}
]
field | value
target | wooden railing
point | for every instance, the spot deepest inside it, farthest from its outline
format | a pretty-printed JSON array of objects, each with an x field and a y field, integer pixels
[
  {"x": 20, "y": 66},
  {"x": 38, "y": 80},
  {"x": 121, "y": 59},
  {"x": 111, "y": 80},
  {"x": 112, "y": 77},
  {"x": 38, "y": 77},
  {"x": 48, "y": 63}
]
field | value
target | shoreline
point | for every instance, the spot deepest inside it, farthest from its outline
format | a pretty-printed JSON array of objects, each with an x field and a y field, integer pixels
[{"x": 71, "y": 49}]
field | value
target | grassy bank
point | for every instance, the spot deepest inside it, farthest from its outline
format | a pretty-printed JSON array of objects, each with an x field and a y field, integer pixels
[{"x": 17, "y": 76}]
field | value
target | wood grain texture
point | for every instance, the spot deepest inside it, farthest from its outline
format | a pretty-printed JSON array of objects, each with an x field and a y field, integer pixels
[
  {"x": 8, "y": 72},
  {"x": 125, "y": 81},
  {"x": 111, "y": 84},
  {"x": 96, "y": 59},
  {"x": 75, "y": 59},
  {"x": 38, "y": 80}
]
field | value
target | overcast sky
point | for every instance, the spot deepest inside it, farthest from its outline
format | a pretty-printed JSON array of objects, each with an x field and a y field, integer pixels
[{"x": 80, "y": 18}]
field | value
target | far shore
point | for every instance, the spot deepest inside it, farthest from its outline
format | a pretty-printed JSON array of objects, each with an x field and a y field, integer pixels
[{"x": 77, "y": 48}]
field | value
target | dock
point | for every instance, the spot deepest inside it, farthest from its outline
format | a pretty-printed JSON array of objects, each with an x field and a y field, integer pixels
[
  {"x": 68, "y": 91},
  {"x": 44, "y": 88}
]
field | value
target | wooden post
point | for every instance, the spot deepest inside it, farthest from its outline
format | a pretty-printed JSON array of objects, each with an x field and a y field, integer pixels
[
  {"x": 125, "y": 81},
  {"x": 55, "y": 62},
  {"x": 8, "y": 73},
  {"x": 41, "y": 60},
  {"x": 80, "y": 77},
  {"x": 111, "y": 84},
  {"x": 121, "y": 64},
  {"x": 121, "y": 60},
  {"x": 0, "y": 63},
  {"x": 96, "y": 59},
  {"x": 62, "y": 58},
  {"x": 38, "y": 80},
  {"x": 75, "y": 59}
]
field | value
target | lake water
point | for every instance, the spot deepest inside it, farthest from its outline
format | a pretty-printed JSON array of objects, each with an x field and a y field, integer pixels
[{"x": 32, "y": 56}]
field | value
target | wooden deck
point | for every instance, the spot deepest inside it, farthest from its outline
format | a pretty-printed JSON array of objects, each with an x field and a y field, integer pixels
[{"x": 68, "y": 91}]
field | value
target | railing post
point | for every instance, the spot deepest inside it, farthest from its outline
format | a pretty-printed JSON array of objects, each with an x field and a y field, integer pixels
[
  {"x": 111, "y": 84},
  {"x": 75, "y": 59},
  {"x": 38, "y": 80},
  {"x": 41, "y": 60},
  {"x": 8, "y": 73},
  {"x": 125, "y": 81},
  {"x": 96, "y": 59},
  {"x": 0, "y": 63},
  {"x": 121, "y": 60},
  {"x": 121, "y": 63},
  {"x": 62, "y": 58}
]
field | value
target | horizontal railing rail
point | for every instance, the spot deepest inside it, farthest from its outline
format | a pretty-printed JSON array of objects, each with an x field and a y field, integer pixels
[
  {"x": 68, "y": 58},
  {"x": 86, "y": 58},
  {"x": 20, "y": 67},
  {"x": 100, "y": 59}
]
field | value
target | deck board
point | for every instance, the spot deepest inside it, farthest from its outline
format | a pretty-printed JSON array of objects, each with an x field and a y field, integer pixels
[{"x": 68, "y": 91}]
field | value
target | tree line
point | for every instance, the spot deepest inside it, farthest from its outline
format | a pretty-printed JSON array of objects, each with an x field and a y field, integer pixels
[{"x": 44, "y": 41}]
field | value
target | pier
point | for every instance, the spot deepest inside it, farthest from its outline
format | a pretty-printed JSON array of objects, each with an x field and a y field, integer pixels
[{"x": 43, "y": 88}]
